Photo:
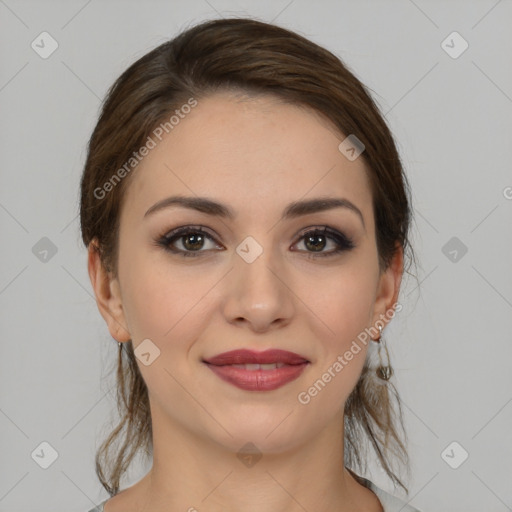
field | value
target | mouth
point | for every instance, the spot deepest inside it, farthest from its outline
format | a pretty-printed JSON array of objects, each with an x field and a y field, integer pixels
[{"x": 257, "y": 371}]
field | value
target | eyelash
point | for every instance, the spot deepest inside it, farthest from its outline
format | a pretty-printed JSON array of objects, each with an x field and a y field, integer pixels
[{"x": 342, "y": 242}]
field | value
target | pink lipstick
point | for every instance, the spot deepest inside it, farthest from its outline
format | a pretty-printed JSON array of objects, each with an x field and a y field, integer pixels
[{"x": 257, "y": 371}]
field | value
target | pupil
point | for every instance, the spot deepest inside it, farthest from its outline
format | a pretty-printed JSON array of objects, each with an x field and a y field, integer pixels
[
  {"x": 197, "y": 241},
  {"x": 193, "y": 245},
  {"x": 316, "y": 247}
]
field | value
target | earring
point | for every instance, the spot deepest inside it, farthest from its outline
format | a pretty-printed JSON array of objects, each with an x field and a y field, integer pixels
[{"x": 383, "y": 371}]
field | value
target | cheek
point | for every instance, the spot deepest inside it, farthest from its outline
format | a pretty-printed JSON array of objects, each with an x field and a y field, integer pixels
[
  {"x": 164, "y": 306},
  {"x": 168, "y": 310},
  {"x": 344, "y": 304},
  {"x": 155, "y": 293}
]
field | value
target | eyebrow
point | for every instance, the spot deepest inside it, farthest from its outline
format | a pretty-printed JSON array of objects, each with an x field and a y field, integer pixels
[{"x": 293, "y": 210}]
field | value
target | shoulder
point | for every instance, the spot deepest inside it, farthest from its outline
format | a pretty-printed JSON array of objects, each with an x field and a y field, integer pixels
[
  {"x": 389, "y": 502},
  {"x": 99, "y": 508}
]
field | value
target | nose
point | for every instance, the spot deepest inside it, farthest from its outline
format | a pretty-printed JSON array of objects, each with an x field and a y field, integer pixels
[{"x": 258, "y": 294}]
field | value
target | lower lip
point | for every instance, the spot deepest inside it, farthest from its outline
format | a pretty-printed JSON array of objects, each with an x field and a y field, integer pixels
[{"x": 258, "y": 380}]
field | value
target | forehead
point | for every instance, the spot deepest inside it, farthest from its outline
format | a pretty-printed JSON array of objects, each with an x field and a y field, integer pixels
[{"x": 253, "y": 153}]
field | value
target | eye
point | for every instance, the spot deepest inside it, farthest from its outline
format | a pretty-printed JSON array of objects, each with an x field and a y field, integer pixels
[
  {"x": 192, "y": 240},
  {"x": 317, "y": 239}
]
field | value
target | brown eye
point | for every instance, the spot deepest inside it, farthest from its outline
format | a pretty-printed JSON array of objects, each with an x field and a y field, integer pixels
[
  {"x": 191, "y": 239},
  {"x": 316, "y": 241}
]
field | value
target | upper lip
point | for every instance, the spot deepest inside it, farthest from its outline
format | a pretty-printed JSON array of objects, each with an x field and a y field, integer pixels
[{"x": 245, "y": 356}]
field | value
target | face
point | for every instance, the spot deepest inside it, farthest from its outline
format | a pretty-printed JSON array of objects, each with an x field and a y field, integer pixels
[{"x": 250, "y": 280}]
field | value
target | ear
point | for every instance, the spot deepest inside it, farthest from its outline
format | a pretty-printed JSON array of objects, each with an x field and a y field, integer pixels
[
  {"x": 389, "y": 287},
  {"x": 108, "y": 296}
]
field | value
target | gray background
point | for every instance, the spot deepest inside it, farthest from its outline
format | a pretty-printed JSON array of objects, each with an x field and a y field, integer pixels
[{"x": 451, "y": 345}]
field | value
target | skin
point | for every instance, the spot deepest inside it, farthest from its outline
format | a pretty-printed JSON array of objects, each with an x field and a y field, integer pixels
[{"x": 255, "y": 155}]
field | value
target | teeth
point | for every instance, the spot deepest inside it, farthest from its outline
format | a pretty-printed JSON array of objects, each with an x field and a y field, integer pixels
[
  {"x": 270, "y": 366},
  {"x": 252, "y": 366}
]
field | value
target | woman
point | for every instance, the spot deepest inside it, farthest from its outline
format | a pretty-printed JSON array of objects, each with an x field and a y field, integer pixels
[{"x": 246, "y": 217}]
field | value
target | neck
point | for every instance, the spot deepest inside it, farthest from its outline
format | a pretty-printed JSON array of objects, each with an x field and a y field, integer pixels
[{"x": 191, "y": 472}]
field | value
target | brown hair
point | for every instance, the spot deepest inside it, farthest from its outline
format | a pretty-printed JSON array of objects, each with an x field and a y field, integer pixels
[{"x": 259, "y": 58}]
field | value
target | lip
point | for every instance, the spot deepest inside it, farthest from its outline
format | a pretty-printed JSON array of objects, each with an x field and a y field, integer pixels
[
  {"x": 226, "y": 366},
  {"x": 245, "y": 356}
]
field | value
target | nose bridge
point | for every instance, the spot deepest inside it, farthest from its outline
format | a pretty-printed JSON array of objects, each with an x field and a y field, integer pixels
[
  {"x": 258, "y": 292},
  {"x": 259, "y": 266}
]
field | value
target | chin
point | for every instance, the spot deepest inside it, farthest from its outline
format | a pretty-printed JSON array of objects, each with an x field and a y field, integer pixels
[{"x": 269, "y": 435}]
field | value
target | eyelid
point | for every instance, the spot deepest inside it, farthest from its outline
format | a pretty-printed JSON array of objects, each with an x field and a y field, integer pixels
[
  {"x": 341, "y": 240},
  {"x": 181, "y": 231}
]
